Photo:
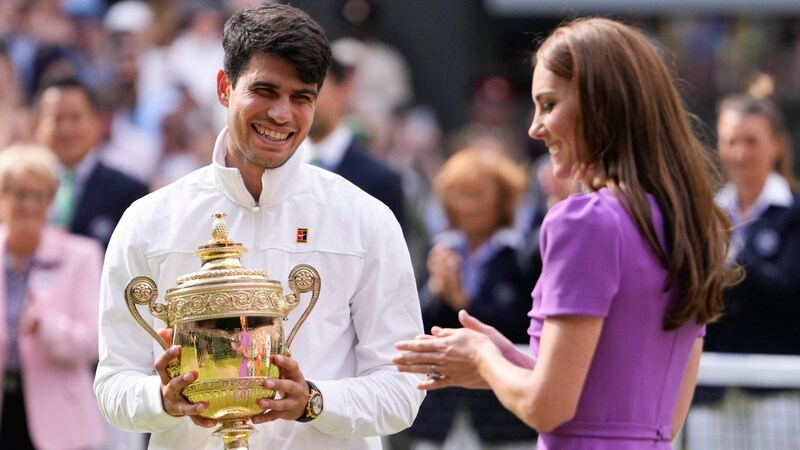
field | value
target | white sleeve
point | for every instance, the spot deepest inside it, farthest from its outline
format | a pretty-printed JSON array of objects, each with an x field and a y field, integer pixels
[
  {"x": 385, "y": 309},
  {"x": 127, "y": 388}
]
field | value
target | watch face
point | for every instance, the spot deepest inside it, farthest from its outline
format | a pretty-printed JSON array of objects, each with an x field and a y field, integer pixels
[{"x": 316, "y": 404}]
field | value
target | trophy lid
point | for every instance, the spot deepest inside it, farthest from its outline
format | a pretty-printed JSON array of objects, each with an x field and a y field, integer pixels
[
  {"x": 219, "y": 255},
  {"x": 223, "y": 287}
]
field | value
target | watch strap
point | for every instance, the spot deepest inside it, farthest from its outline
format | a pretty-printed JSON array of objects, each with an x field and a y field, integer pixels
[{"x": 309, "y": 415}]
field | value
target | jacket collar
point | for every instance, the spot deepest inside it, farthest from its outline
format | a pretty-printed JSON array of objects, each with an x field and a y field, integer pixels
[
  {"x": 776, "y": 192},
  {"x": 49, "y": 250},
  {"x": 277, "y": 184}
]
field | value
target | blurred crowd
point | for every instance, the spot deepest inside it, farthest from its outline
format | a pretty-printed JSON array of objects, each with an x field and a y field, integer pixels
[{"x": 123, "y": 94}]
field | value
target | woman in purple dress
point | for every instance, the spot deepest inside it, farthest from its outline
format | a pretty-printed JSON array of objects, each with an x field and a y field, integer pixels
[{"x": 632, "y": 270}]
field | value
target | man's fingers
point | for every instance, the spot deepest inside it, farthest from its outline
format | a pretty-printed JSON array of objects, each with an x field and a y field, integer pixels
[
  {"x": 290, "y": 405},
  {"x": 164, "y": 359},
  {"x": 289, "y": 368},
  {"x": 205, "y": 423},
  {"x": 285, "y": 408},
  {"x": 268, "y": 416},
  {"x": 175, "y": 403},
  {"x": 166, "y": 334}
]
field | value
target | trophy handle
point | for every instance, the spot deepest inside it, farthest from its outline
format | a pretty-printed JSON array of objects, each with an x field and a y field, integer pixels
[
  {"x": 302, "y": 278},
  {"x": 142, "y": 290}
]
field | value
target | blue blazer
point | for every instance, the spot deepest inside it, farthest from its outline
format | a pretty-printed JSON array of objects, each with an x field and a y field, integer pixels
[
  {"x": 374, "y": 177},
  {"x": 762, "y": 313},
  {"x": 105, "y": 196}
]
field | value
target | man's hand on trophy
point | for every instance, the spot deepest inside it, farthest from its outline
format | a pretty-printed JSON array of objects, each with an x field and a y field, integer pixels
[
  {"x": 173, "y": 401},
  {"x": 293, "y": 392}
]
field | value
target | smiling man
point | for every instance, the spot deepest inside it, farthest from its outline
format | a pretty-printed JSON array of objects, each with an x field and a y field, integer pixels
[{"x": 286, "y": 213}]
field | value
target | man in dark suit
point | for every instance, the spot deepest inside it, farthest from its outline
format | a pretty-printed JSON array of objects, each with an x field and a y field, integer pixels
[
  {"x": 335, "y": 148},
  {"x": 91, "y": 196}
]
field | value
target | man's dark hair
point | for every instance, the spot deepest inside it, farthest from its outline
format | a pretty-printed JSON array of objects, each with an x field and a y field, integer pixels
[
  {"x": 67, "y": 83},
  {"x": 278, "y": 30}
]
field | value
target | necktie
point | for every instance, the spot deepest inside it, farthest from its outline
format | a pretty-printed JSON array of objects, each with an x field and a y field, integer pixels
[{"x": 65, "y": 199}]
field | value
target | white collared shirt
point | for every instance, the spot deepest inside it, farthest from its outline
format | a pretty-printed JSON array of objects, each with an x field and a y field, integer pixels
[
  {"x": 368, "y": 301},
  {"x": 330, "y": 150},
  {"x": 776, "y": 192}
]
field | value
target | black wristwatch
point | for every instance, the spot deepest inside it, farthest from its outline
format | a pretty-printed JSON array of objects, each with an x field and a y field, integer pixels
[{"x": 314, "y": 405}]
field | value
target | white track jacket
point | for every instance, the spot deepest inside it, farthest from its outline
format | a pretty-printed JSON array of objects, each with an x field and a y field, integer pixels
[{"x": 368, "y": 301}]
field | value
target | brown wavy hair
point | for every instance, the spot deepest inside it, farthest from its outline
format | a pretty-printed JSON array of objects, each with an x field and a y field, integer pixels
[{"x": 640, "y": 140}]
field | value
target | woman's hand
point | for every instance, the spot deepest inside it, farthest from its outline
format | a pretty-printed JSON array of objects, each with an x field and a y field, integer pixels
[
  {"x": 452, "y": 357},
  {"x": 508, "y": 349}
]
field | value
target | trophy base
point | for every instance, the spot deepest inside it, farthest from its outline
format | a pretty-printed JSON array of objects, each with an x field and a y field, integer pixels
[{"x": 234, "y": 434}]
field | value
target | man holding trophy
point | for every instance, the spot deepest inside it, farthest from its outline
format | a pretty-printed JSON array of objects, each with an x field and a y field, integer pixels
[{"x": 338, "y": 390}]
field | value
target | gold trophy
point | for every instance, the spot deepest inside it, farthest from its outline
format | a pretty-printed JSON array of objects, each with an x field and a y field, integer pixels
[{"x": 227, "y": 321}]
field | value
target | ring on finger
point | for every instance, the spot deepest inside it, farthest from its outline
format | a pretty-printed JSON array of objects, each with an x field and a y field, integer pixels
[{"x": 434, "y": 374}]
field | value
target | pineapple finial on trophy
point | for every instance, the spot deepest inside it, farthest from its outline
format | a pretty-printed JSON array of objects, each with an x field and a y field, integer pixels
[
  {"x": 219, "y": 228},
  {"x": 220, "y": 252}
]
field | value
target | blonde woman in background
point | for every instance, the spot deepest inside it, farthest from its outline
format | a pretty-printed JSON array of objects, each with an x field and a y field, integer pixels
[
  {"x": 476, "y": 266},
  {"x": 49, "y": 290}
]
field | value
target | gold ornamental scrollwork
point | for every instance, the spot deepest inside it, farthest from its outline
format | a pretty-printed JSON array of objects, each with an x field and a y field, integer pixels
[
  {"x": 303, "y": 278},
  {"x": 212, "y": 303},
  {"x": 143, "y": 290},
  {"x": 219, "y": 273}
]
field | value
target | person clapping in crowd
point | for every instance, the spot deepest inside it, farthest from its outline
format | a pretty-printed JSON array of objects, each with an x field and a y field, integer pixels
[
  {"x": 476, "y": 266},
  {"x": 50, "y": 284}
]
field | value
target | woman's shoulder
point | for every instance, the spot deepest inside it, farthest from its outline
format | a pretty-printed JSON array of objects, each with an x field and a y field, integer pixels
[{"x": 600, "y": 211}]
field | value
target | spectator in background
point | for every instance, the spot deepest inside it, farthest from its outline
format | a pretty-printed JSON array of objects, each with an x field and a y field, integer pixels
[
  {"x": 15, "y": 116},
  {"x": 137, "y": 102},
  {"x": 126, "y": 143},
  {"x": 91, "y": 197},
  {"x": 382, "y": 81},
  {"x": 416, "y": 153},
  {"x": 139, "y": 40},
  {"x": 196, "y": 55},
  {"x": 475, "y": 266},
  {"x": 186, "y": 136},
  {"x": 762, "y": 313},
  {"x": 334, "y": 147},
  {"x": 492, "y": 121},
  {"x": 50, "y": 282}
]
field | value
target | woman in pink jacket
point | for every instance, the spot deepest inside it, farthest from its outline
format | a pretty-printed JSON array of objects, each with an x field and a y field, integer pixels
[{"x": 49, "y": 285}]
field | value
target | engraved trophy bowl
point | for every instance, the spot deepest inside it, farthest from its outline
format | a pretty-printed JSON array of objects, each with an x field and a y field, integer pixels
[{"x": 227, "y": 320}]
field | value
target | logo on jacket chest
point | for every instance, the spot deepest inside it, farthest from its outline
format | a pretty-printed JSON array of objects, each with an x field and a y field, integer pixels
[
  {"x": 766, "y": 242},
  {"x": 302, "y": 235}
]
